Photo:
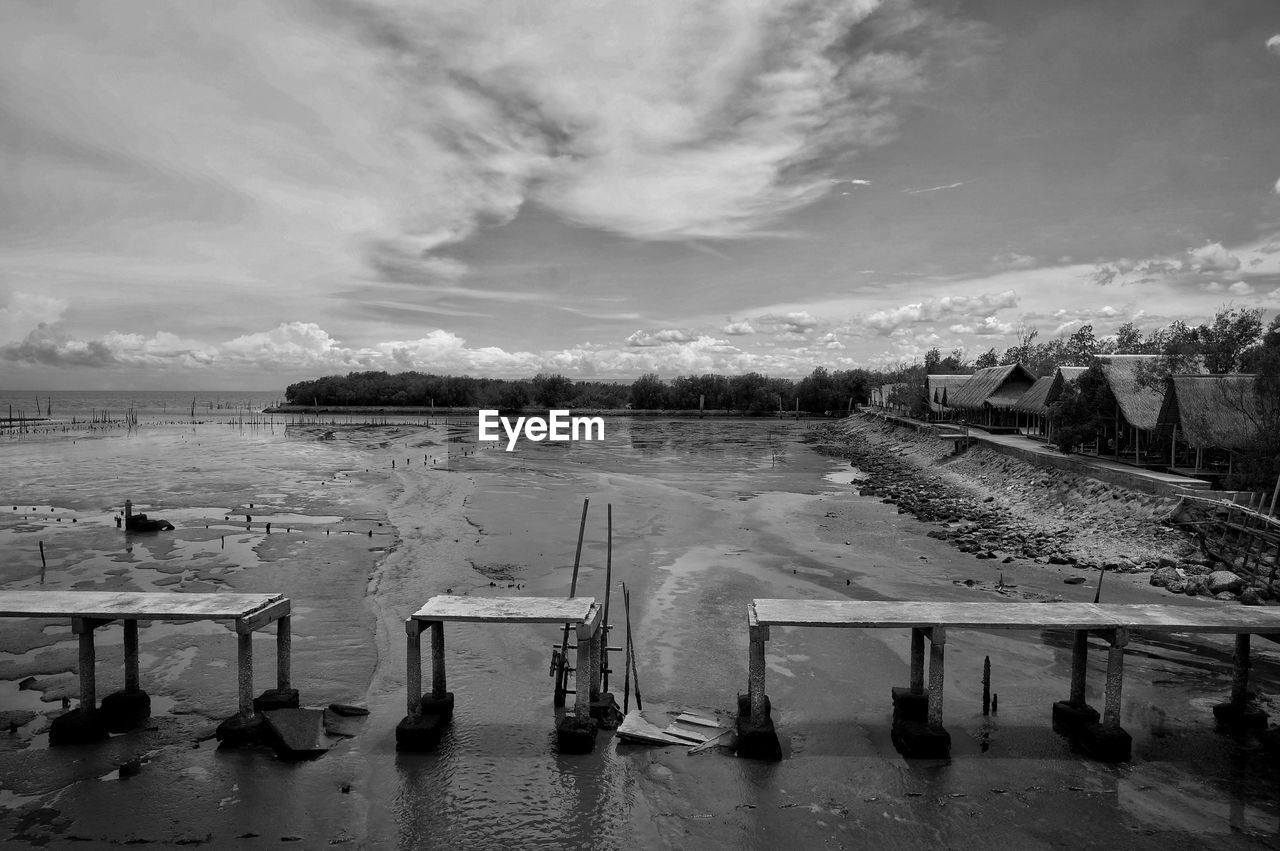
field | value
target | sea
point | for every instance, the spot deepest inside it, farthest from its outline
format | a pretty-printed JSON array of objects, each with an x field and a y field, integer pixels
[{"x": 85, "y": 404}]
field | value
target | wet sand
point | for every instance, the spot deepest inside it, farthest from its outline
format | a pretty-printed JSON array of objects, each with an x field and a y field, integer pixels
[{"x": 706, "y": 517}]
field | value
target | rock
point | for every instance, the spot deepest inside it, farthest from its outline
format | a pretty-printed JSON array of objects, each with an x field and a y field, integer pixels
[
  {"x": 1224, "y": 596},
  {"x": 1073, "y": 580},
  {"x": 1060, "y": 559},
  {"x": 1224, "y": 580},
  {"x": 1178, "y": 586},
  {"x": 1164, "y": 576},
  {"x": 1165, "y": 561},
  {"x": 1250, "y": 597}
]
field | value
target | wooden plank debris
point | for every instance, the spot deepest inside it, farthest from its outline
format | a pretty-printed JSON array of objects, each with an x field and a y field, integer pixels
[{"x": 634, "y": 728}]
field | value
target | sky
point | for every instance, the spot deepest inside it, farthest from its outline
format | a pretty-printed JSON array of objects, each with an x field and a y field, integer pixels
[{"x": 242, "y": 195}]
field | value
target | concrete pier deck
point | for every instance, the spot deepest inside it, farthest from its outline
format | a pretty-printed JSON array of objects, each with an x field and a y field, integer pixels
[
  {"x": 922, "y": 734},
  {"x": 89, "y": 610},
  {"x": 420, "y": 729}
]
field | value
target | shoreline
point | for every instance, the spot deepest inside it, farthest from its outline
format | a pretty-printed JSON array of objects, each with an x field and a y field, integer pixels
[{"x": 1002, "y": 510}]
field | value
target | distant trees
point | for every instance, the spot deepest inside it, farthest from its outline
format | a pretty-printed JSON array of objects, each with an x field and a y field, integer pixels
[{"x": 648, "y": 392}]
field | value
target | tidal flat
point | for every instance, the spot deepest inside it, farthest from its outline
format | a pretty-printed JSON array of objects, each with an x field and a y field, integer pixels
[{"x": 369, "y": 521}]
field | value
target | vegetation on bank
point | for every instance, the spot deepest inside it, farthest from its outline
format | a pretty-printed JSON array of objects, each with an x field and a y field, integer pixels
[{"x": 819, "y": 393}]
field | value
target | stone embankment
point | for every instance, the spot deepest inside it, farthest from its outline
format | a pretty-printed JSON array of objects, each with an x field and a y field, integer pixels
[{"x": 998, "y": 507}]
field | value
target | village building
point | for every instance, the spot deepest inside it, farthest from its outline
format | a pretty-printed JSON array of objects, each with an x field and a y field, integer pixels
[
  {"x": 1209, "y": 419},
  {"x": 1033, "y": 406},
  {"x": 938, "y": 389},
  {"x": 986, "y": 399}
]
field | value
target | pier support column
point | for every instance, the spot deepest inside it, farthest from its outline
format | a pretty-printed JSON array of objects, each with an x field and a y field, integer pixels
[
  {"x": 917, "y": 730},
  {"x": 757, "y": 738},
  {"x": 1240, "y": 713},
  {"x": 427, "y": 715},
  {"x": 1075, "y": 712},
  {"x": 124, "y": 710},
  {"x": 244, "y": 673},
  {"x": 1108, "y": 741},
  {"x": 576, "y": 733},
  {"x": 282, "y": 696},
  {"x": 83, "y": 724}
]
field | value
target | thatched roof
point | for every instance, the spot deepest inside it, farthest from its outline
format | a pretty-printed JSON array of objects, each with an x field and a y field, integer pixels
[
  {"x": 1046, "y": 390},
  {"x": 938, "y": 385},
  {"x": 1212, "y": 410},
  {"x": 999, "y": 386},
  {"x": 1036, "y": 399},
  {"x": 1139, "y": 404}
]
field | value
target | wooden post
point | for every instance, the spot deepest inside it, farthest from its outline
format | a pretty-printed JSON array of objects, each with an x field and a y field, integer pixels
[
  {"x": 413, "y": 665},
  {"x": 917, "y": 661},
  {"x": 986, "y": 685},
  {"x": 937, "y": 650},
  {"x": 131, "y": 656},
  {"x": 1079, "y": 667},
  {"x": 244, "y": 658},
  {"x": 1115, "y": 678},
  {"x": 284, "y": 650},
  {"x": 1240, "y": 677},
  {"x": 84, "y": 627},
  {"x": 438, "y": 689},
  {"x": 1275, "y": 495}
]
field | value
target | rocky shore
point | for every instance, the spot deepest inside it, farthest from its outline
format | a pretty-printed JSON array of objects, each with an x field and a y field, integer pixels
[{"x": 1001, "y": 508}]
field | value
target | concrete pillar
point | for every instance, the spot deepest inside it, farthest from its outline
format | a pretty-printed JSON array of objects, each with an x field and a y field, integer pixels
[
  {"x": 284, "y": 649},
  {"x": 438, "y": 689},
  {"x": 413, "y": 664},
  {"x": 131, "y": 679},
  {"x": 1079, "y": 667},
  {"x": 582, "y": 675},
  {"x": 244, "y": 658},
  {"x": 596, "y": 668},
  {"x": 1115, "y": 679},
  {"x": 755, "y": 674},
  {"x": 937, "y": 651},
  {"x": 917, "y": 661},
  {"x": 1240, "y": 677},
  {"x": 88, "y": 660}
]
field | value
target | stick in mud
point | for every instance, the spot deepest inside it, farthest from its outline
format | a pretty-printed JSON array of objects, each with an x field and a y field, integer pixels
[
  {"x": 626, "y": 660},
  {"x": 635, "y": 674},
  {"x": 986, "y": 685},
  {"x": 1097, "y": 595},
  {"x": 42, "y": 563},
  {"x": 561, "y": 673},
  {"x": 608, "y": 582}
]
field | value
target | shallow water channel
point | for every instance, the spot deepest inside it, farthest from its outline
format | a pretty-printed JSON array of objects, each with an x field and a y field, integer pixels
[{"x": 706, "y": 515}]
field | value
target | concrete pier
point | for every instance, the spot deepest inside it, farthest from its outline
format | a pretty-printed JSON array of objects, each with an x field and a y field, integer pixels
[
  {"x": 917, "y": 711},
  {"x": 90, "y": 610},
  {"x": 428, "y": 714}
]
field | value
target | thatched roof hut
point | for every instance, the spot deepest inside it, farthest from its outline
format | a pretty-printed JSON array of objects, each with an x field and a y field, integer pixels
[
  {"x": 1139, "y": 403},
  {"x": 939, "y": 389},
  {"x": 995, "y": 386},
  {"x": 1046, "y": 390},
  {"x": 1219, "y": 411}
]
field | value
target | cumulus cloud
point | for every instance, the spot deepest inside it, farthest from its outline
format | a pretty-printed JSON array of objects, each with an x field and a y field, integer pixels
[
  {"x": 1276, "y": 188},
  {"x": 48, "y": 346},
  {"x": 885, "y": 322},
  {"x": 27, "y": 310},
  {"x": 1212, "y": 258},
  {"x": 659, "y": 338},
  {"x": 987, "y": 326},
  {"x": 1273, "y": 45},
  {"x": 737, "y": 329}
]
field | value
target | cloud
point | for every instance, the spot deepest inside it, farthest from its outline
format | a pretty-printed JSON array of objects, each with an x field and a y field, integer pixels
[
  {"x": 1013, "y": 260},
  {"x": 884, "y": 322},
  {"x": 1212, "y": 258},
  {"x": 956, "y": 185},
  {"x": 659, "y": 338},
  {"x": 50, "y": 347},
  {"x": 26, "y": 310},
  {"x": 1273, "y": 45},
  {"x": 1240, "y": 288},
  {"x": 987, "y": 326},
  {"x": 1276, "y": 188},
  {"x": 796, "y": 323},
  {"x": 737, "y": 329}
]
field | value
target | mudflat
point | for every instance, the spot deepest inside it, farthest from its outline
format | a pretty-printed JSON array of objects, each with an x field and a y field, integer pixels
[{"x": 707, "y": 515}]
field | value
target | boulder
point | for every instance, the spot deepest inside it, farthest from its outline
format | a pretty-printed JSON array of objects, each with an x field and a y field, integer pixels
[
  {"x": 1164, "y": 576},
  {"x": 1224, "y": 580},
  {"x": 1250, "y": 597}
]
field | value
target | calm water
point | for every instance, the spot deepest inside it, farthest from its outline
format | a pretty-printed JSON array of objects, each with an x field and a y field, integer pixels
[{"x": 82, "y": 403}]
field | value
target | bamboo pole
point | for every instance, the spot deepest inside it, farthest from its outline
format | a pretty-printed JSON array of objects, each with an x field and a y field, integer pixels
[
  {"x": 626, "y": 661},
  {"x": 635, "y": 674},
  {"x": 608, "y": 585},
  {"x": 561, "y": 673}
]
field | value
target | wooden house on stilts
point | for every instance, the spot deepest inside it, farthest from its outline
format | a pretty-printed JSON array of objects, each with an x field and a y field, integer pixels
[
  {"x": 1208, "y": 419},
  {"x": 1032, "y": 407},
  {"x": 986, "y": 399},
  {"x": 1132, "y": 433},
  {"x": 939, "y": 388}
]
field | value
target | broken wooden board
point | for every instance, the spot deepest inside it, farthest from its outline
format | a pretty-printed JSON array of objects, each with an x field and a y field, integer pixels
[
  {"x": 634, "y": 728},
  {"x": 297, "y": 733},
  {"x": 696, "y": 720}
]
